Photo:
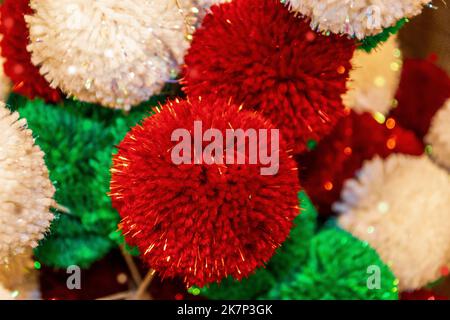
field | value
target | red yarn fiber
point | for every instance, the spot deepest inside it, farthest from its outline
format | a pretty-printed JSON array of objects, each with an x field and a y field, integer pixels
[
  {"x": 260, "y": 54},
  {"x": 25, "y": 76},
  {"x": 421, "y": 295},
  {"x": 424, "y": 87},
  {"x": 197, "y": 221},
  {"x": 356, "y": 138}
]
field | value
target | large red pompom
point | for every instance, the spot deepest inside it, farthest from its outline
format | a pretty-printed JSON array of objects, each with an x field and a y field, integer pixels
[
  {"x": 260, "y": 54},
  {"x": 201, "y": 222},
  {"x": 423, "y": 90},
  {"x": 17, "y": 66},
  {"x": 356, "y": 138}
]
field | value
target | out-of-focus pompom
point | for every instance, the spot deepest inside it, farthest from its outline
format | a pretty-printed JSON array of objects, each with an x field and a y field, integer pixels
[
  {"x": 25, "y": 189},
  {"x": 115, "y": 53},
  {"x": 17, "y": 66},
  {"x": 78, "y": 140},
  {"x": 339, "y": 267},
  {"x": 400, "y": 206},
  {"x": 356, "y": 138},
  {"x": 357, "y": 18},
  {"x": 259, "y": 54},
  {"x": 19, "y": 277},
  {"x": 374, "y": 79},
  {"x": 423, "y": 90},
  {"x": 439, "y": 136},
  {"x": 202, "y": 221}
]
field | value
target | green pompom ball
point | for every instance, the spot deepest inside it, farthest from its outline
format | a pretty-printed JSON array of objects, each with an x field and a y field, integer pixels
[
  {"x": 291, "y": 255},
  {"x": 369, "y": 43},
  {"x": 340, "y": 267},
  {"x": 79, "y": 140}
]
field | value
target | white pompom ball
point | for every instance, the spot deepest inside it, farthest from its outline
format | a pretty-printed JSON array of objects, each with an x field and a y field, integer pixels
[
  {"x": 25, "y": 189},
  {"x": 359, "y": 18},
  {"x": 112, "y": 52},
  {"x": 374, "y": 78},
  {"x": 19, "y": 278},
  {"x": 401, "y": 207},
  {"x": 439, "y": 136}
]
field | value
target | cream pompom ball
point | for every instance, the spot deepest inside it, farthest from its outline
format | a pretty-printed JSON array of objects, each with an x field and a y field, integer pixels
[
  {"x": 439, "y": 136},
  {"x": 374, "y": 78},
  {"x": 112, "y": 52},
  {"x": 25, "y": 188},
  {"x": 19, "y": 278},
  {"x": 358, "y": 18},
  {"x": 401, "y": 207}
]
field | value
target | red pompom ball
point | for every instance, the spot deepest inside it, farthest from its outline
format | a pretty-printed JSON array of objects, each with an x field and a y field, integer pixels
[
  {"x": 356, "y": 138},
  {"x": 261, "y": 55},
  {"x": 201, "y": 222},
  {"x": 423, "y": 90},
  {"x": 25, "y": 76},
  {"x": 421, "y": 295}
]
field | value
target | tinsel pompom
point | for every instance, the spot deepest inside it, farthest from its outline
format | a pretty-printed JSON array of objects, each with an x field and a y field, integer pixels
[
  {"x": 291, "y": 255},
  {"x": 423, "y": 90},
  {"x": 439, "y": 136},
  {"x": 357, "y": 18},
  {"x": 201, "y": 222},
  {"x": 19, "y": 277},
  {"x": 25, "y": 189},
  {"x": 338, "y": 268},
  {"x": 257, "y": 53},
  {"x": 374, "y": 79},
  {"x": 356, "y": 138},
  {"x": 17, "y": 66},
  {"x": 400, "y": 207},
  {"x": 115, "y": 53},
  {"x": 78, "y": 149}
]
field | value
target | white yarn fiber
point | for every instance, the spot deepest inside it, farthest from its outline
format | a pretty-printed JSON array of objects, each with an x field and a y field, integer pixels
[
  {"x": 25, "y": 189},
  {"x": 112, "y": 52},
  {"x": 401, "y": 207},
  {"x": 359, "y": 18}
]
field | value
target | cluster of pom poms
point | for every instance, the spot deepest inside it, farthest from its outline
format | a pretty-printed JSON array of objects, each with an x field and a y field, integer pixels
[
  {"x": 201, "y": 222},
  {"x": 439, "y": 136},
  {"x": 338, "y": 268},
  {"x": 400, "y": 207},
  {"x": 17, "y": 65},
  {"x": 115, "y": 53},
  {"x": 357, "y": 18},
  {"x": 259, "y": 54},
  {"x": 25, "y": 189},
  {"x": 374, "y": 78},
  {"x": 356, "y": 138}
]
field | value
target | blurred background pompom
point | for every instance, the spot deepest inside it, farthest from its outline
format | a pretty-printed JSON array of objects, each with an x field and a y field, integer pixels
[
  {"x": 115, "y": 53},
  {"x": 19, "y": 277},
  {"x": 259, "y": 54},
  {"x": 17, "y": 65},
  {"x": 338, "y": 268},
  {"x": 400, "y": 207},
  {"x": 438, "y": 136},
  {"x": 360, "y": 18},
  {"x": 26, "y": 191},
  {"x": 357, "y": 137},
  {"x": 374, "y": 78},
  {"x": 209, "y": 220},
  {"x": 424, "y": 87}
]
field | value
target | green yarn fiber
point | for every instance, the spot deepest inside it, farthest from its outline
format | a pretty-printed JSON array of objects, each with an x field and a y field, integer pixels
[
  {"x": 79, "y": 140},
  {"x": 337, "y": 269},
  {"x": 292, "y": 254},
  {"x": 371, "y": 42}
]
